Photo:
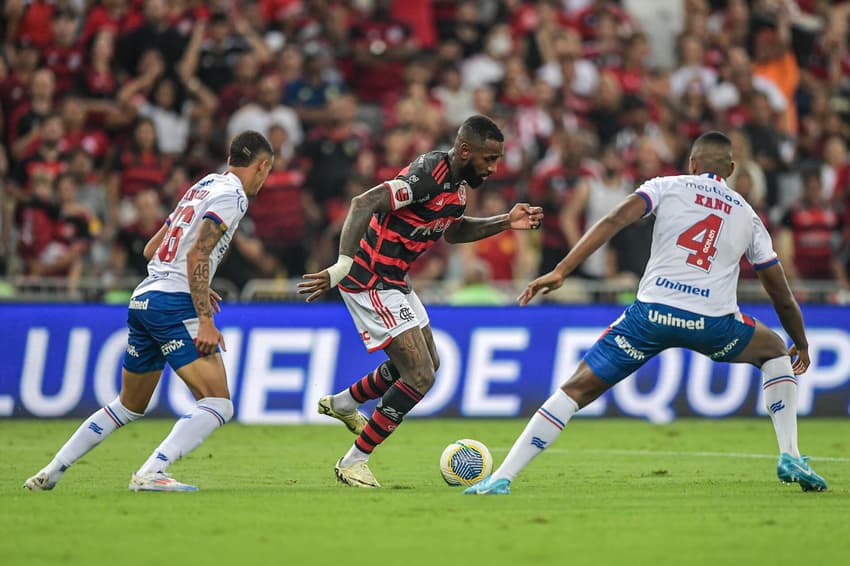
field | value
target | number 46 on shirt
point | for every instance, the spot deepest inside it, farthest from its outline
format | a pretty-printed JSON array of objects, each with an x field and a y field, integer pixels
[{"x": 699, "y": 239}]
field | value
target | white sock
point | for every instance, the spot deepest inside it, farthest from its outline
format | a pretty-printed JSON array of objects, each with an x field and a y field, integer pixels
[
  {"x": 353, "y": 456},
  {"x": 89, "y": 434},
  {"x": 343, "y": 402},
  {"x": 189, "y": 432},
  {"x": 780, "y": 398},
  {"x": 541, "y": 431}
]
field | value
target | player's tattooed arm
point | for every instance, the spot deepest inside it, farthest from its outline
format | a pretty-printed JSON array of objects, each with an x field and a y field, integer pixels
[
  {"x": 198, "y": 266},
  {"x": 363, "y": 206},
  {"x": 521, "y": 217}
]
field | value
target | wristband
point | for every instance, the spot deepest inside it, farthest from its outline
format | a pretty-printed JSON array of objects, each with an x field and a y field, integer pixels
[{"x": 340, "y": 269}]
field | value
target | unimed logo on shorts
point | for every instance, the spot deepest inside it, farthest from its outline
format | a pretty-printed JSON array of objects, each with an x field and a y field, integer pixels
[{"x": 171, "y": 346}]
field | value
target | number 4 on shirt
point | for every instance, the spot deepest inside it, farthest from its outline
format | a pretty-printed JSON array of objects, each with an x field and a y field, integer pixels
[{"x": 700, "y": 239}]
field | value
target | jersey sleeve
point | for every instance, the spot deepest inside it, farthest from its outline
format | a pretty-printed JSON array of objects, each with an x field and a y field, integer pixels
[
  {"x": 652, "y": 192},
  {"x": 226, "y": 209},
  {"x": 760, "y": 251},
  {"x": 414, "y": 184}
]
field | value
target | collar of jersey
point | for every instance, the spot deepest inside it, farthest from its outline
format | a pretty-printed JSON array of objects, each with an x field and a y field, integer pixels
[{"x": 713, "y": 176}]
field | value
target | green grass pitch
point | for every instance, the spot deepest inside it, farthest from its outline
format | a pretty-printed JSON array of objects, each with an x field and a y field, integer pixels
[{"x": 608, "y": 492}]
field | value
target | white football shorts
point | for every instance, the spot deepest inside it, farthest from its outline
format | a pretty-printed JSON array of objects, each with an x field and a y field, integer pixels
[{"x": 380, "y": 316}]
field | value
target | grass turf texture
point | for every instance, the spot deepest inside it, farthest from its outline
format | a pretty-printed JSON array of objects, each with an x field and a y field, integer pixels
[{"x": 608, "y": 492}]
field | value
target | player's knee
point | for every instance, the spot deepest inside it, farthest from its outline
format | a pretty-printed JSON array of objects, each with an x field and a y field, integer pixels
[
  {"x": 127, "y": 411},
  {"x": 222, "y": 407},
  {"x": 422, "y": 379}
]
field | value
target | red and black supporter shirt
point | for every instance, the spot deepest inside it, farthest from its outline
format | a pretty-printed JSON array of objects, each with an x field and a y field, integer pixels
[{"x": 426, "y": 200}]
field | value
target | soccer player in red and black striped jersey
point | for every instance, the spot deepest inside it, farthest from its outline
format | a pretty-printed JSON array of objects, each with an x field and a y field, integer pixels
[{"x": 386, "y": 229}]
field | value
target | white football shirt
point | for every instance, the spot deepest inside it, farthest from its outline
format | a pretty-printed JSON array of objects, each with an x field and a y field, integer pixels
[
  {"x": 702, "y": 228},
  {"x": 220, "y": 198}
]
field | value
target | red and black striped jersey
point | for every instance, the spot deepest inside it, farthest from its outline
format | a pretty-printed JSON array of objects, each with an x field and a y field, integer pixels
[{"x": 426, "y": 200}]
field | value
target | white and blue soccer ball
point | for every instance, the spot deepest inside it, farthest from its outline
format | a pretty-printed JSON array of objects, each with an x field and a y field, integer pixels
[{"x": 465, "y": 462}]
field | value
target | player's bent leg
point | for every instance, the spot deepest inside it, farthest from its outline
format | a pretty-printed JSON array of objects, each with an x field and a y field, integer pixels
[
  {"x": 767, "y": 351},
  {"x": 343, "y": 405},
  {"x": 409, "y": 353},
  {"x": 543, "y": 429},
  {"x": 206, "y": 378},
  {"x": 136, "y": 391}
]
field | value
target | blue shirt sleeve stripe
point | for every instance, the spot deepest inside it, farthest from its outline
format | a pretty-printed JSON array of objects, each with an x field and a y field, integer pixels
[
  {"x": 648, "y": 201},
  {"x": 765, "y": 265}
]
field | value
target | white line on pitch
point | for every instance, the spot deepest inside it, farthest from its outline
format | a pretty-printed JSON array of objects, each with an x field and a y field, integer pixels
[{"x": 615, "y": 452}]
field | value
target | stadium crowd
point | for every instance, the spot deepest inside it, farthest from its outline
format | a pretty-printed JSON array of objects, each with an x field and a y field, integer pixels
[{"x": 112, "y": 108}]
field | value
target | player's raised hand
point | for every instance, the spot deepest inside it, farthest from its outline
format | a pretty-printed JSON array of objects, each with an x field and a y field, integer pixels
[
  {"x": 543, "y": 285},
  {"x": 523, "y": 216},
  {"x": 316, "y": 285},
  {"x": 799, "y": 359}
]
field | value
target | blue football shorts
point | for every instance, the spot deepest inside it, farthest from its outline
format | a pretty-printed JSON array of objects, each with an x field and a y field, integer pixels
[
  {"x": 162, "y": 327},
  {"x": 646, "y": 329}
]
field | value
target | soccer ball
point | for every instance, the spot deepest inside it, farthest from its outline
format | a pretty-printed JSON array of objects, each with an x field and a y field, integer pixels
[{"x": 465, "y": 462}]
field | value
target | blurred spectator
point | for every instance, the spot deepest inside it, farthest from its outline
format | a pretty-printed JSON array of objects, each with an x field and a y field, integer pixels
[
  {"x": 604, "y": 113},
  {"x": 835, "y": 171},
  {"x": 505, "y": 255},
  {"x": 730, "y": 97},
  {"x": 774, "y": 60},
  {"x": 47, "y": 157},
  {"x": 27, "y": 117},
  {"x": 552, "y": 187},
  {"x": 242, "y": 90},
  {"x": 810, "y": 235},
  {"x": 155, "y": 32},
  {"x": 456, "y": 99},
  {"x": 98, "y": 83},
  {"x": 77, "y": 135},
  {"x": 138, "y": 167},
  {"x": 310, "y": 93},
  {"x": 214, "y": 48},
  {"x": 267, "y": 110},
  {"x": 283, "y": 212},
  {"x": 692, "y": 72},
  {"x": 171, "y": 111},
  {"x": 148, "y": 217},
  {"x": 382, "y": 45},
  {"x": 756, "y": 191},
  {"x": 205, "y": 149},
  {"x": 765, "y": 142},
  {"x": 65, "y": 55},
  {"x": 594, "y": 197},
  {"x": 332, "y": 152},
  {"x": 487, "y": 67}
]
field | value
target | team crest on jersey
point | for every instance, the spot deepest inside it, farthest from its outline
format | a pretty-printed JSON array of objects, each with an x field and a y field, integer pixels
[
  {"x": 402, "y": 194},
  {"x": 461, "y": 193}
]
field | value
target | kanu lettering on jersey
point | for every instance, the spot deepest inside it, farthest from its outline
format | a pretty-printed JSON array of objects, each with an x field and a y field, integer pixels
[
  {"x": 713, "y": 203},
  {"x": 681, "y": 287},
  {"x": 667, "y": 319}
]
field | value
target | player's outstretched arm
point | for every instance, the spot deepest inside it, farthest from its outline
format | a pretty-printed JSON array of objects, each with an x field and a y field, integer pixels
[
  {"x": 776, "y": 284},
  {"x": 628, "y": 211},
  {"x": 522, "y": 216},
  {"x": 198, "y": 271},
  {"x": 377, "y": 199}
]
